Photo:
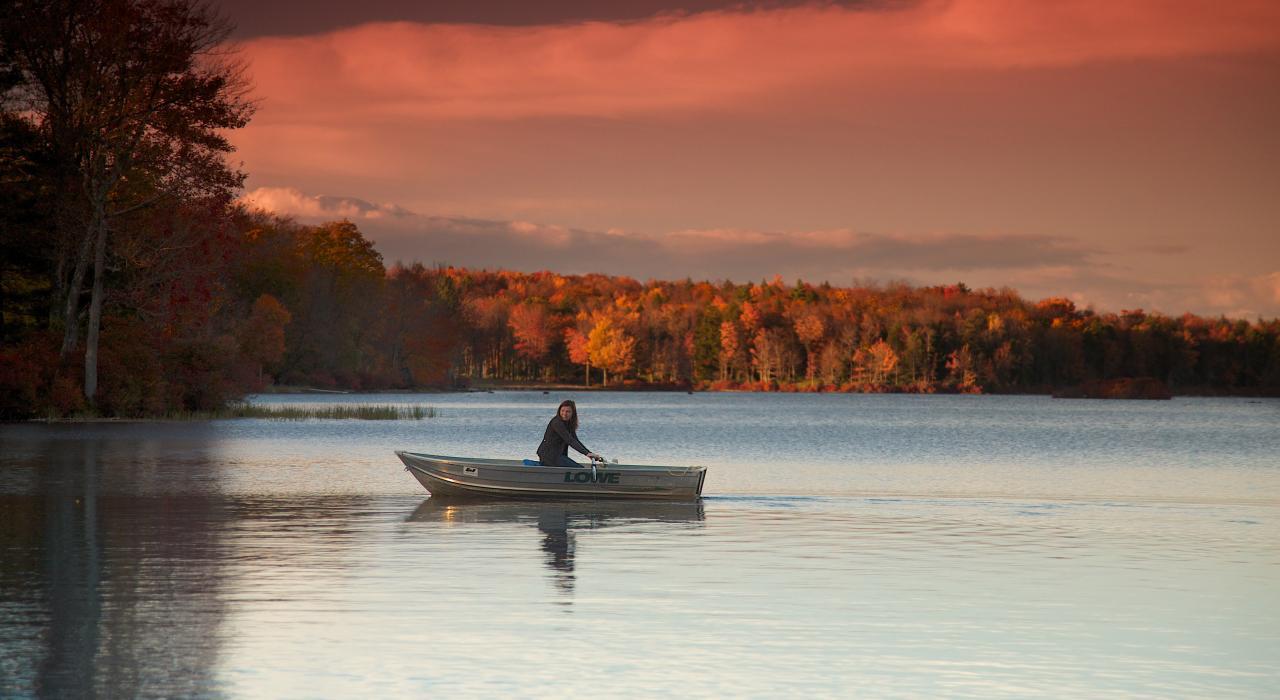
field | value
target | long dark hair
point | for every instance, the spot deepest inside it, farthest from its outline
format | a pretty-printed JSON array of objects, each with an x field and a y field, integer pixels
[{"x": 573, "y": 422}]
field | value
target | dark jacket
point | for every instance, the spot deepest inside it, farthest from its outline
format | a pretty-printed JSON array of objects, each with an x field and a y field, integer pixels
[{"x": 556, "y": 442}]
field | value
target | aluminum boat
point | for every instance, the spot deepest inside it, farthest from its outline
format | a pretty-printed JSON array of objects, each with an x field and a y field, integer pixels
[{"x": 466, "y": 476}]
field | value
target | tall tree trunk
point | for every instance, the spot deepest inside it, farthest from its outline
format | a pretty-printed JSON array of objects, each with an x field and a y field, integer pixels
[
  {"x": 71, "y": 310},
  {"x": 95, "y": 316},
  {"x": 59, "y": 286}
]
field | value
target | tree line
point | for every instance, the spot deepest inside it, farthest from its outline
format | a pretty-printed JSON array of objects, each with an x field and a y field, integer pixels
[
  {"x": 132, "y": 283},
  {"x": 774, "y": 336},
  {"x": 251, "y": 300}
]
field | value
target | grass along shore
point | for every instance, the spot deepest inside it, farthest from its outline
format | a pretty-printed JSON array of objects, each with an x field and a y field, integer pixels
[{"x": 356, "y": 412}]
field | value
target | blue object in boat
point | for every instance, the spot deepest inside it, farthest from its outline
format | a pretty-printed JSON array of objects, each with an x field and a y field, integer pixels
[{"x": 532, "y": 463}]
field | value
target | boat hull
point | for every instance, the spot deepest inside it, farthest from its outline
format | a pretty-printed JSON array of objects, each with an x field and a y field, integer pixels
[{"x": 489, "y": 478}]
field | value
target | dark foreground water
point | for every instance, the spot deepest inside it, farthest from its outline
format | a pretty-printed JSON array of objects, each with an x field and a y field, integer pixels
[{"x": 848, "y": 546}]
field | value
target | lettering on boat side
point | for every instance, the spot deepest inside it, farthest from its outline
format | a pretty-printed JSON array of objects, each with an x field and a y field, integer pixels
[
  {"x": 588, "y": 477},
  {"x": 470, "y": 470}
]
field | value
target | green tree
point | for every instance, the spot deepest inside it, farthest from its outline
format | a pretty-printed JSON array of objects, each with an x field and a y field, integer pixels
[{"x": 707, "y": 345}]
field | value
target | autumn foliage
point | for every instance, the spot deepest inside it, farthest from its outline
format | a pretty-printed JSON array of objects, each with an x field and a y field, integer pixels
[
  {"x": 776, "y": 336},
  {"x": 266, "y": 301}
]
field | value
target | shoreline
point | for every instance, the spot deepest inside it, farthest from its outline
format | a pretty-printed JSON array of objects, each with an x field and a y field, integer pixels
[
  {"x": 487, "y": 386},
  {"x": 383, "y": 412}
]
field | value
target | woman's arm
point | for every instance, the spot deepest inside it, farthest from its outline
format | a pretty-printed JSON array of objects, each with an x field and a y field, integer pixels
[{"x": 573, "y": 441}]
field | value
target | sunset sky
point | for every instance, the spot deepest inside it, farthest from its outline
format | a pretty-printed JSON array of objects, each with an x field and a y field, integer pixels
[{"x": 1122, "y": 154}]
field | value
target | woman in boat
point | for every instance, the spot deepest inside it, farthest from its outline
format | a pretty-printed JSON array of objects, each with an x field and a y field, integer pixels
[{"x": 562, "y": 433}]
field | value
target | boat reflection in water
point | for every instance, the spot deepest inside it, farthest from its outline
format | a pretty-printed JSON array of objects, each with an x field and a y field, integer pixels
[{"x": 558, "y": 521}]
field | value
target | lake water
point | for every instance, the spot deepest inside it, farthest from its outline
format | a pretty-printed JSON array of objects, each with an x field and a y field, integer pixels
[{"x": 902, "y": 546}]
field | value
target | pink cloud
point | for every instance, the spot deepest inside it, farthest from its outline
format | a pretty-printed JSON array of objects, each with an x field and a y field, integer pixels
[
  {"x": 1269, "y": 286},
  {"x": 397, "y": 71},
  {"x": 292, "y": 202},
  {"x": 1243, "y": 295}
]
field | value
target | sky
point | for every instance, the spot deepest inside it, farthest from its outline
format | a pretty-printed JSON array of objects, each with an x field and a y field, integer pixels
[{"x": 1122, "y": 155}]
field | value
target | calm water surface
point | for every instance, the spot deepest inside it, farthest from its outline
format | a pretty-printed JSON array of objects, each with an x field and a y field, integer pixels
[{"x": 848, "y": 545}]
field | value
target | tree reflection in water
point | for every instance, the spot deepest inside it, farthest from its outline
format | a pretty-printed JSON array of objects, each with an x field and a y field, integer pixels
[
  {"x": 109, "y": 563},
  {"x": 558, "y": 521}
]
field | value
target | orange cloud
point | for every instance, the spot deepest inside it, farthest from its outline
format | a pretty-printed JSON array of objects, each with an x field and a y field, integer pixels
[{"x": 397, "y": 71}]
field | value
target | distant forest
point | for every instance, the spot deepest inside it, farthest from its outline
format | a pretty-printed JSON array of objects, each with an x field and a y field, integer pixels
[
  {"x": 243, "y": 300},
  {"x": 133, "y": 284}
]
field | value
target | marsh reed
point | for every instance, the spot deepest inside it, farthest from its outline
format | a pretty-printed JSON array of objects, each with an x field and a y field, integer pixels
[{"x": 340, "y": 412}]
